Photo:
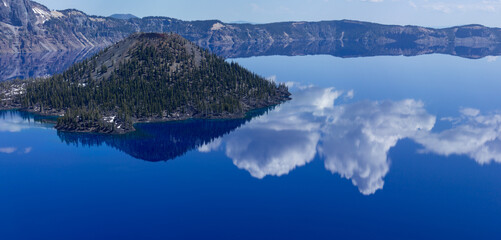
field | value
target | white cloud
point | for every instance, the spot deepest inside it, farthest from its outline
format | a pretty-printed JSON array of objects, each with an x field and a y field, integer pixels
[
  {"x": 28, "y": 150},
  {"x": 463, "y": 6},
  {"x": 477, "y": 136},
  {"x": 272, "y": 78},
  {"x": 413, "y": 4},
  {"x": 8, "y": 150},
  {"x": 492, "y": 58},
  {"x": 440, "y": 7},
  {"x": 255, "y": 7},
  {"x": 350, "y": 94},
  {"x": 470, "y": 112},
  {"x": 357, "y": 142},
  {"x": 209, "y": 147},
  {"x": 267, "y": 152},
  {"x": 12, "y": 122},
  {"x": 286, "y": 138},
  {"x": 353, "y": 139}
]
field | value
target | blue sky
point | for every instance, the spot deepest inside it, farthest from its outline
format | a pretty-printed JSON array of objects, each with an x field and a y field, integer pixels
[{"x": 434, "y": 13}]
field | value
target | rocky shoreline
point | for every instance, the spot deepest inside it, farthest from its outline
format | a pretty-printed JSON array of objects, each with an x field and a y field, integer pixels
[{"x": 121, "y": 127}]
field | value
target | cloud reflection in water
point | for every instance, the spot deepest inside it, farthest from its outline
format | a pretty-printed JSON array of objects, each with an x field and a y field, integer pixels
[
  {"x": 11, "y": 121},
  {"x": 353, "y": 139},
  {"x": 357, "y": 139},
  {"x": 8, "y": 150},
  {"x": 473, "y": 134}
]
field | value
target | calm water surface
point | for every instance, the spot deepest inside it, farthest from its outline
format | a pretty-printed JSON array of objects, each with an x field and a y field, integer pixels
[{"x": 377, "y": 147}]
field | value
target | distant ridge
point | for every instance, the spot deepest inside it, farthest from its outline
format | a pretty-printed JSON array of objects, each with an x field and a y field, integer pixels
[
  {"x": 242, "y": 22},
  {"x": 123, "y": 16},
  {"x": 27, "y": 27}
]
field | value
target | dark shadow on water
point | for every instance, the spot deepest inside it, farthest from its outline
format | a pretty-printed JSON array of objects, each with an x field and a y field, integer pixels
[{"x": 156, "y": 142}]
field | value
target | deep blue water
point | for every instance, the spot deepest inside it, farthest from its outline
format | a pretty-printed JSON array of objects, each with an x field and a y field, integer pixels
[{"x": 378, "y": 147}]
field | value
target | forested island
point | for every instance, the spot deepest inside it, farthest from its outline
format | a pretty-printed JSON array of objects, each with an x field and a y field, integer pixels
[{"x": 146, "y": 77}]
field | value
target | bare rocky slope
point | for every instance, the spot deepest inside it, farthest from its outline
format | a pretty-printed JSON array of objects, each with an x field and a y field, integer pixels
[{"x": 26, "y": 26}]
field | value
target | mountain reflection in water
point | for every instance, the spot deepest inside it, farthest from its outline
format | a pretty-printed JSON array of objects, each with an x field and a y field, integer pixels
[
  {"x": 352, "y": 49},
  {"x": 28, "y": 65}
]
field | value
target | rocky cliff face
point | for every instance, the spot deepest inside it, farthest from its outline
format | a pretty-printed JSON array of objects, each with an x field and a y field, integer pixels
[
  {"x": 39, "y": 64},
  {"x": 17, "y": 13},
  {"x": 26, "y": 26}
]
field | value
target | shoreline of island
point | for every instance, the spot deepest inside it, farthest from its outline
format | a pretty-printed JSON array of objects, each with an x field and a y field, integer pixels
[{"x": 59, "y": 113}]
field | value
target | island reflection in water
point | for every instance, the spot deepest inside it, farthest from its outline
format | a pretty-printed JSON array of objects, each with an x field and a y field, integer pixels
[
  {"x": 352, "y": 138},
  {"x": 156, "y": 142}
]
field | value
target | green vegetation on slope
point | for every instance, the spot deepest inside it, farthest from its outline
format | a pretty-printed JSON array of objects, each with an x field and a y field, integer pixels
[{"x": 157, "y": 76}]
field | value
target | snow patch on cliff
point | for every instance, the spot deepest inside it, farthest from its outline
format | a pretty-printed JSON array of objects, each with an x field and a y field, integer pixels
[
  {"x": 57, "y": 14},
  {"x": 217, "y": 26},
  {"x": 97, "y": 19},
  {"x": 43, "y": 15},
  {"x": 75, "y": 13}
]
